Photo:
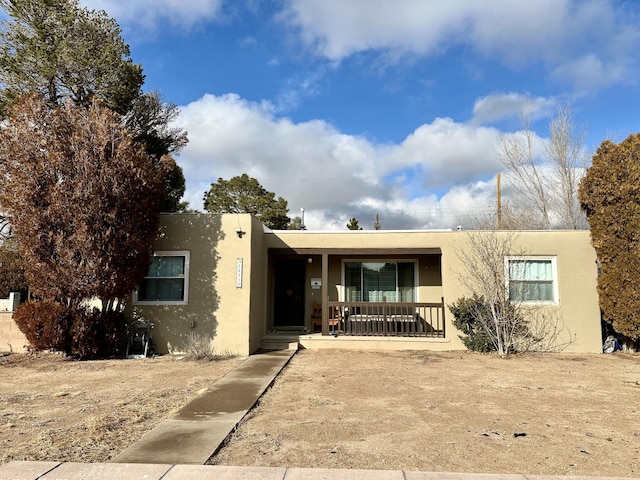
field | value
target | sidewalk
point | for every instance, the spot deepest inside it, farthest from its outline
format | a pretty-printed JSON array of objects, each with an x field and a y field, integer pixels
[{"x": 123, "y": 471}]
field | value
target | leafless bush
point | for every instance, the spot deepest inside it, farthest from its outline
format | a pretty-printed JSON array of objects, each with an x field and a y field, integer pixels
[
  {"x": 511, "y": 325},
  {"x": 546, "y": 331},
  {"x": 200, "y": 347}
]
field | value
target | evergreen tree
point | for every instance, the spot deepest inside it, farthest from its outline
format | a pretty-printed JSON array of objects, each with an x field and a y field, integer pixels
[
  {"x": 69, "y": 53},
  {"x": 63, "y": 51},
  {"x": 376, "y": 222},
  {"x": 353, "y": 224},
  {"x": 82, "y": 198},
  {"x": 244, "y": 194},
  {"x": 610, "y": 196},
  {"x": 296, "y": 224}
]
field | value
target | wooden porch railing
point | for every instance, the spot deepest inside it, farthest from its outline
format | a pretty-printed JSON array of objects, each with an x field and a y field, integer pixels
[{"x": 407, "y": 319}]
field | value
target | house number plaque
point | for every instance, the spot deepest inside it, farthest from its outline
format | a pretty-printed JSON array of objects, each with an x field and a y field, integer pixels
[{"x": 239, "y": 273}]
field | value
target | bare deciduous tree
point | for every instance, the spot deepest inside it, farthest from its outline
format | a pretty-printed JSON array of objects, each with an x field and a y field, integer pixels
[
  {"x": 546, "y": 176},
  {"x": 569, "y": 162},
  {"x": 518, "y": 156},
  {"x": 511, "y": 325}
]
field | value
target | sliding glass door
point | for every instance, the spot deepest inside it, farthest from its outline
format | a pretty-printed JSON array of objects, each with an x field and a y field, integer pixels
[{"x": 379, "y": 281}]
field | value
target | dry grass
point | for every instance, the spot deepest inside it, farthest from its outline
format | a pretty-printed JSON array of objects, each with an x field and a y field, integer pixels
[
  {"x": 562, "y": 414},
  {"x": 559, "y": 414},
  {"x": 200, "y": 347},
  {"x": 52, "y": 408}
]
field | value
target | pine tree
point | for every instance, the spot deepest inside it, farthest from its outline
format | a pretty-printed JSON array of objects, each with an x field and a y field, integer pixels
[
  {"x": 376, "y": 223},
  {"x": 353, "y": 224},
  {"x": 244, "y": 194}
]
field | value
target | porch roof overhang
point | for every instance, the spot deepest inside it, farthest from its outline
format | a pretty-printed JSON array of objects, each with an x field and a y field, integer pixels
[
  {"x": 356, "y": 251},
  {"x": 363, "y": 252}
]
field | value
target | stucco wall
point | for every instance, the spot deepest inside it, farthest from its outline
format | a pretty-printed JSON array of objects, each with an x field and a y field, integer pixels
[
  {"x": 577, "y": 306},
  {"x": 217, "y": 308},
  {"x": 11, "y": 338},
  {"x": 578, "y": 300},
  {"x": 235, "y": 318},
  {"x": 258, "y": 286}
]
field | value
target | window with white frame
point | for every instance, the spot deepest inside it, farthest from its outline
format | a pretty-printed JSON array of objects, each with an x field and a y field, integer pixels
[
  {"x": 379, "y": 281},
  {"x": 167, "y": 280},
  {"x": 532, "y": 279}
]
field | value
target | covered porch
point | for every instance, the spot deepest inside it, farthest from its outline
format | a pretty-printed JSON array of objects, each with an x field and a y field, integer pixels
[{"x": 359, "y": 292}]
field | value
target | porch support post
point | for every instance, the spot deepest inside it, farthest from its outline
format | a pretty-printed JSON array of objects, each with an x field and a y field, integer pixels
[{"x": 325, "y": 294}]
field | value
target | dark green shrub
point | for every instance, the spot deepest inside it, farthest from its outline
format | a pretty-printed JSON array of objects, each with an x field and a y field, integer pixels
[
  {"x": 45, "y": 323},
  {"x": 466, "y": 312}
]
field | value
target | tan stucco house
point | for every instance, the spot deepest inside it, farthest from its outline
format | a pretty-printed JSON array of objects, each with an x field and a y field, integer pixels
[{"x": 228, "y": 279}]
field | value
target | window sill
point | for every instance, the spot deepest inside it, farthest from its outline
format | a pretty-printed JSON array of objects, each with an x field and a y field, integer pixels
[{"x": 160, "y": 302}]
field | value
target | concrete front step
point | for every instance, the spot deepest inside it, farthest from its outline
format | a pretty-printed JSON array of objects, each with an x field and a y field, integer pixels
[
  {"x": 280, "y": 340},
  {"x": 278, "y": 343},
  {"x": 272, "y": 346}
]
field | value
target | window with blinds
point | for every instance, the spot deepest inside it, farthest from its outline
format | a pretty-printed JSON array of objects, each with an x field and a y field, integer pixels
[
  {"x": 532, "y": 280},
  {"x": 379, "y": 281},
  {"x": 167, "y": 280}
]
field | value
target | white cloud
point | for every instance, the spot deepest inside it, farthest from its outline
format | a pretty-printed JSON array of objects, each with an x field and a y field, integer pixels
[
  {"x": 149, "y": 13},
  {"x": 551, "y": 33},
  {"x": 590, "y": 72},
  {"x": 339, "y": 28},
  {"x": 501, "y": 106},
  {"x": 335, "y": 176},
  {"x": 445, "y": 148},
  {"x": 470, "y": 205}
]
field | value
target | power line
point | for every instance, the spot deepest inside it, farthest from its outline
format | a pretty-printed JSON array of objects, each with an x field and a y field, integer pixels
[{"x": 394, "y": 175}]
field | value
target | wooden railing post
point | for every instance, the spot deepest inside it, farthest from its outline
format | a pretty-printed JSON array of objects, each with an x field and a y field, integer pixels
[
  {"x": 444, "y": 323},
  {"x": 325, "y": 294}
]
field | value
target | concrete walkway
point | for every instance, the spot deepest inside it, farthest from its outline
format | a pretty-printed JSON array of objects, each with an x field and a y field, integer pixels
[{"x": 198, "y": 430}]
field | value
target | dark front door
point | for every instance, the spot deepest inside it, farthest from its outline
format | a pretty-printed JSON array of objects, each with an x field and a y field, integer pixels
[{"x": 288, "y": 307}]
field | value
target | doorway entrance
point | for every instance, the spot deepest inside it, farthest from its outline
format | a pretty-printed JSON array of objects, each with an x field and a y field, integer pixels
[{"x": 288, "y": 308}]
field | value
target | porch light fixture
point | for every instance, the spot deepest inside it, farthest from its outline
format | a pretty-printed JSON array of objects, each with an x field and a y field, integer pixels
[
  {"x": 309, "y": 260},
  {"x": 240, "y": 233}
]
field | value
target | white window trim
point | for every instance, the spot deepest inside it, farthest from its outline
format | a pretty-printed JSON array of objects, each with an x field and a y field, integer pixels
[
  {"x": 416, "y": 268},
  {"x": 170, "y": 253},
  {"x": 554, "y": 274}
]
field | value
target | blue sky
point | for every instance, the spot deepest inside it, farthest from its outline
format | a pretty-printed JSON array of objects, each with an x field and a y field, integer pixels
[{"x": 356, "y": 107}]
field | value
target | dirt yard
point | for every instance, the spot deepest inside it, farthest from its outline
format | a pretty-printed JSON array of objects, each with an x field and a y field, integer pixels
[
  {"x": 560, "y": 414},
  {"x": 540, "y": 414},
  {"x": 52, "y": 408}
]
